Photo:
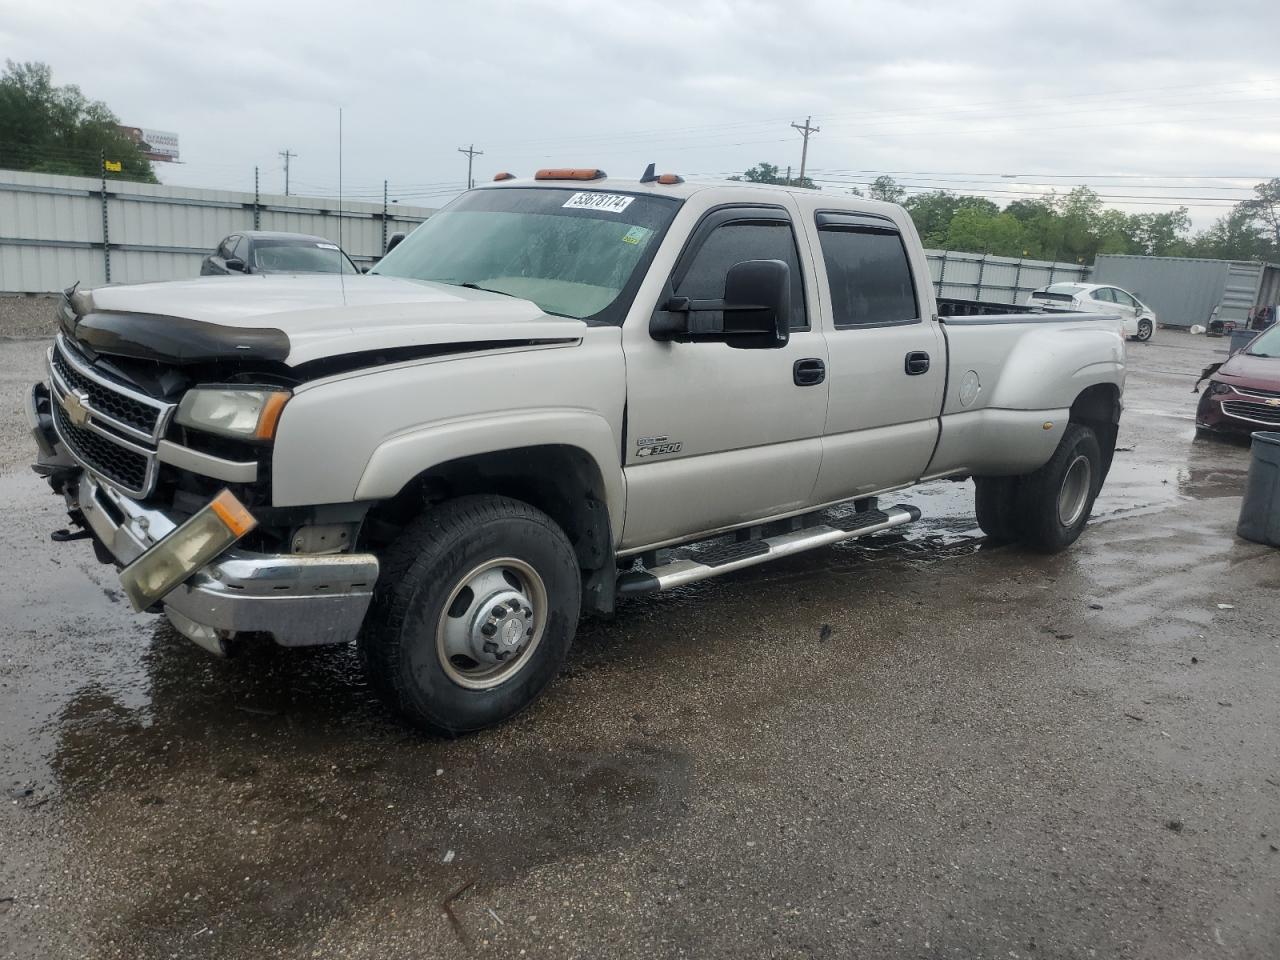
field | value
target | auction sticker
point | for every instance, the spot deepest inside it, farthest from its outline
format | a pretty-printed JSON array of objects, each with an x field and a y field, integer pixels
[{"x": 604, "y": 202}]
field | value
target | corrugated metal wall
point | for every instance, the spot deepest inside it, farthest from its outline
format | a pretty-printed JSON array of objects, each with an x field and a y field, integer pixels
[
  {"x": 1185, "y": 291},
  {"x": 976, "y": 276},
  {"x": 1241, "y": 291},
  {"x": 51, "y": 228}
]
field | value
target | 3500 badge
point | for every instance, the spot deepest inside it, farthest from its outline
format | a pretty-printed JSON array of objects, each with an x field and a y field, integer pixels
[{"x": 656, "y": 446}]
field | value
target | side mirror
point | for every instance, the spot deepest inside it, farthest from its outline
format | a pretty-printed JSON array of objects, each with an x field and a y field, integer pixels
[
  {"x": 234, "y": 263},
  {"x": 755, "y": 312},
  {"x": 393, "y": 241},
  {"x": 757, "y": 304}
]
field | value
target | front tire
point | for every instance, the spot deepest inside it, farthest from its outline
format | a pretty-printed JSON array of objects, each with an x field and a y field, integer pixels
[
  {"x": 1054, "y": 502},
  {"x": 476, "y": 606},
  {"x": 1145, "y": 329}
]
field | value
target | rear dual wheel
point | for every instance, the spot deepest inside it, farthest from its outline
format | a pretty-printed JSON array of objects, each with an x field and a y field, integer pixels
[{"x": 1045, "y": 510}]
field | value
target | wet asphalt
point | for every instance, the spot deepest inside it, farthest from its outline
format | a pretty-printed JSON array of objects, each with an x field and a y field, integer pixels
[{"x": 913, "y": 747}]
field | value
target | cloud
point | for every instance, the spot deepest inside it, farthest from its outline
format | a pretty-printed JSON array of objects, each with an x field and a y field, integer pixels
[{"x": 702, "y": 87}]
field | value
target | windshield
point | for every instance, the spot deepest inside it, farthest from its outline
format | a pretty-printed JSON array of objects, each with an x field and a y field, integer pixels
[
  {"x": 571, "y": 252},
  {"x": 1267, "y": 345},
  {"x": 300, "y": 256}
]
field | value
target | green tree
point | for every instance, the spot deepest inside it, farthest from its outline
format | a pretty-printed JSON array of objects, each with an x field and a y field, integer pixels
[
  {"x": 768, "y": 173},
  {"x": 1234, "y": 237},
  {"x": 886, "y": 188},
  {"x": 50, "y": 129},
  {"x": 1264, "y": 209}
]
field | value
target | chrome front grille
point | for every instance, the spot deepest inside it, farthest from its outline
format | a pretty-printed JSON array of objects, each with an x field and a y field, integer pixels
[
  {"x": 109, "y": 426},
  {"x": 1254, "y": 412}
]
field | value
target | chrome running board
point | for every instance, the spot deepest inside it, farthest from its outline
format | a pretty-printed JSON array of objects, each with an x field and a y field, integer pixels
[{"x": 719, "y": 560}]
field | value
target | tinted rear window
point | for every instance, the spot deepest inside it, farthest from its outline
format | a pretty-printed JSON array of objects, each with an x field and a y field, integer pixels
[{"x": 870, "y": 277}]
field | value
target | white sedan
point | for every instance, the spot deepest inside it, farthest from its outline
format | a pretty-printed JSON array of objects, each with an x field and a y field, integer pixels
[{"x": 1139, "y": 319}]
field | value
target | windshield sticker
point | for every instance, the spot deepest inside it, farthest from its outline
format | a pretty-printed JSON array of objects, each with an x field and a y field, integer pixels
[
  {"x": 604, "y": 202},
  {"x": 637, "y": 235},
  {"x": 327, "y": 246}
]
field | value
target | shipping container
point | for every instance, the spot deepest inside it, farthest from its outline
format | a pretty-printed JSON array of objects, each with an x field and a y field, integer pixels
[{"x": 1185, "y": 291}]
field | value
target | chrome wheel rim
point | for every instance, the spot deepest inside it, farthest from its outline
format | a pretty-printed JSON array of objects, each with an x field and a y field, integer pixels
[
  {"x": 492, "y": 623},
  {"x": 1144, "y": 330},
  {"x": 1074, "y": 495}
]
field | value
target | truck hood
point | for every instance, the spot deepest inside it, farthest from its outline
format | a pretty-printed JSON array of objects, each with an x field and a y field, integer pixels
[{"x": 296, "y": 319}]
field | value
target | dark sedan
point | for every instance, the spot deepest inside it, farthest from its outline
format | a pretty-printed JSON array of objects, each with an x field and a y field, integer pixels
[
  {"x": 1243, "y": 394},
  {"x": 261, "y": 251}
]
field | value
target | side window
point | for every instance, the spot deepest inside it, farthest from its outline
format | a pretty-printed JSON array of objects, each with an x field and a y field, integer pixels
[
  {"x": 1123, "y": 298},
  {"x": 739, "y": 240},
  {"x": 869, "y": 275},
  {"x": 224, "y": 248},
  {"x": 242, "y": 249},
  {"x": 1103, "y": 294}
]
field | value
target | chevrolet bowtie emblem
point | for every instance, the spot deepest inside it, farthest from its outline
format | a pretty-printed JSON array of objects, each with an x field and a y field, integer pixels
[
  {"x": 1274, "y": 403},
  {"x": 74, "y": 404}
]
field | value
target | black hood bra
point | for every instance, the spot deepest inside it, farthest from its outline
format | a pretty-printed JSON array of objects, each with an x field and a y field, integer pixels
[{"x": 165, "y": 339}]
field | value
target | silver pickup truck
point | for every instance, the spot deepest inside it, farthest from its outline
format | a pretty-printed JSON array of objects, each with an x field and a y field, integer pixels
[{"x": 533, "y": 406}]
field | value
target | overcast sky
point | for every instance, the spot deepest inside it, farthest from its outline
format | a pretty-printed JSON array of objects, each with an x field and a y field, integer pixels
[{"x": 954, "y": 95}]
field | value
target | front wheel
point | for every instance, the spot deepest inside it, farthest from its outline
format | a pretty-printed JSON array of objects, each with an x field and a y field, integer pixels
[
  {"x": 1054, "y": 502},
  {"x": 477, "y": 603},
  {"x": 1145, "y": 329}
]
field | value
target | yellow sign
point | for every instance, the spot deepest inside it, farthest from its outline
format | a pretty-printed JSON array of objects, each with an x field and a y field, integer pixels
[{"x": 113, "y": 166}]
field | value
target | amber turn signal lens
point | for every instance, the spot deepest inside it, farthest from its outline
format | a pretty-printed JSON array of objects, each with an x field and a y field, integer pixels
[
  {"x": 270, "y": 415},
  {"x": 570, "y": 173}
]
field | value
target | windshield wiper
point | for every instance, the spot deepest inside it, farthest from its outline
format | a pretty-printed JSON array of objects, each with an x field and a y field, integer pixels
[
  {"x": 1250, "y": 353},
  {"x": 475, "y": 286}
]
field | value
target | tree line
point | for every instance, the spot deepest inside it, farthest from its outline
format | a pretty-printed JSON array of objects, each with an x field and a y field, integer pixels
[
  {"x": 1074, "y": 226},
  {"x": 45, "y": 128}
]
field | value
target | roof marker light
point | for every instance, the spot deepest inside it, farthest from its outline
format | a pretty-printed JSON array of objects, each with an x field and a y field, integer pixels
[
  {"x": 503, "y": 176},
  {"x": 570, "y": 173}
]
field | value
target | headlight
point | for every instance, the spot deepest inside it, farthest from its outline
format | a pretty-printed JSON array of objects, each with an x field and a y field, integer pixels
[
  {"x": 233, "y": 412},
  {"x": 1217, "y": 386}
]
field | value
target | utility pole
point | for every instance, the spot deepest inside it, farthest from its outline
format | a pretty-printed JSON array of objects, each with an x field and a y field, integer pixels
[
  {"x": 471, "y": 153},
  {"x": 788, "y": 174},
  {"x": 805, "y": 131},
  {"x": 286, "y": 154},
  {"x": 256, "y": 199}
]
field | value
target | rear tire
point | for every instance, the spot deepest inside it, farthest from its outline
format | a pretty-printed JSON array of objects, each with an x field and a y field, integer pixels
[
  {"x": 476, "y": 606},
  {"x": 1053, "y": 503},
  {"x": 994, "y": 501}
]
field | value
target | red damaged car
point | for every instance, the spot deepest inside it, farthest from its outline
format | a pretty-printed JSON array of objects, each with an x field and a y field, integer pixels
[{"x": 1243, "y": 394}]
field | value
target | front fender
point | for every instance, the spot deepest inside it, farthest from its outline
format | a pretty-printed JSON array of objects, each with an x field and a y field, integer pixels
[{"x": 399, "y": 459}]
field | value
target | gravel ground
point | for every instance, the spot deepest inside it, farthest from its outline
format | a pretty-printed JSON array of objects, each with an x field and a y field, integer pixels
[
  {"x": 909, "y": 749},
  {"x": 23, "y": 315}
]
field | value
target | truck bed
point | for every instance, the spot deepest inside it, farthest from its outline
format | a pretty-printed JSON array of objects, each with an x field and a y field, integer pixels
[{"x": 955, "y": 307}]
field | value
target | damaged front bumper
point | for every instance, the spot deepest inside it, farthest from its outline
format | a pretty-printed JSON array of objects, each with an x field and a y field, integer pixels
[{"x": 299, "y": 599}]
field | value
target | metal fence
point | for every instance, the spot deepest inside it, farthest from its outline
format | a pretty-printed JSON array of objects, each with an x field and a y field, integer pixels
[
  {"x": 977, "y": 276},
  {"x": 55, "y": 230}
]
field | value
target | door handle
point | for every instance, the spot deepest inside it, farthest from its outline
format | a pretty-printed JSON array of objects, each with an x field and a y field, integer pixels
[
  {"x": 808, "y": 372},
  {"x": 917, "y": 363}
]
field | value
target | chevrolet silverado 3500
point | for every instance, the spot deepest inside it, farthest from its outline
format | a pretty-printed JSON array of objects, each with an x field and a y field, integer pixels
[{"x": 534, "y": 405}]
